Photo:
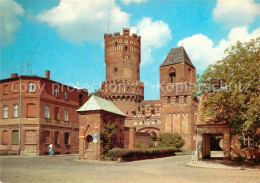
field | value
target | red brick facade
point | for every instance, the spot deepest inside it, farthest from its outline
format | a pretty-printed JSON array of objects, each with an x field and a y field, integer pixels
[
  {"x": 48, "y": 115},
  {"x": 174, "y": 112}
]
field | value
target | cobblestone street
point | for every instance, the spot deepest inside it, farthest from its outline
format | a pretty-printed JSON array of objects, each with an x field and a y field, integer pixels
[{"x": 70, "y": 169}]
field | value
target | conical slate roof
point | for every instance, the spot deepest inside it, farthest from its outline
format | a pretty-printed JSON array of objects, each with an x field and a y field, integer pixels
[
  {"x": 96, "y": 103},
  {"x": 177, "y": 55}
]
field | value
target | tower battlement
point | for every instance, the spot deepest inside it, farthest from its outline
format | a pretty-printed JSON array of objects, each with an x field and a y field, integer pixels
[
  {"x": 122, "y": 46},
  {"x": 123, "y": 89},
  {"x": 123, "y": 58}
]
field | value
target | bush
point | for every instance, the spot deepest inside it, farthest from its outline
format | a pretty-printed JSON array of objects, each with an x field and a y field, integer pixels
[
  {"x": 147, "y": 153},
  {"x": 106, "y": 135},
  {"x": 138, "y": 145},
  {"x": 170, "y": 140}
]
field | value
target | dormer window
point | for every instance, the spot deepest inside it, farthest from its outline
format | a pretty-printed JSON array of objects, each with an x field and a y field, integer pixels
[
  {"x": 31, "y": 87},
  {"x": 66, "y": 95},
  {"x": 172, "y": 74},
  {"x": 56, "y": 92}
]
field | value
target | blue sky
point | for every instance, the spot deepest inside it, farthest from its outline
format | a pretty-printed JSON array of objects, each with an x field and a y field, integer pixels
[{"x": 67, "y": 36}]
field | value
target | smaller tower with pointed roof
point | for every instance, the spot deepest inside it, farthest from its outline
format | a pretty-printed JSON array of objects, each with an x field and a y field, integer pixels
[
  {"x": 177, "y": 77},
  {"x": 176, "y": 69}
]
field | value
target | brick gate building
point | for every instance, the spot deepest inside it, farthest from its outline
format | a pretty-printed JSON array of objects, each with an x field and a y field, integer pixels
[{"x": 174, "y": 112}]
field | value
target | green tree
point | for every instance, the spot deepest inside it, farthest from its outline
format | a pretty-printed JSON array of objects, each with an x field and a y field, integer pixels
[
  {"x": 170, "y": 140},
  {"x": 153, "y": 138},
  {"x": 106, "y": 135},
  {"x": 96, "y": 93},
  {"x": 232, "y": 88}
]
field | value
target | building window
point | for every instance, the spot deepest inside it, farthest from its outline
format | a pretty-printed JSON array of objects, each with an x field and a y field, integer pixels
[
  {"x": 4, "y": 138},
  {"x": 168, "y": 100},
  {"x": 248, "y": 141},
  {"x": 5, "y": 89},
  {"x": 66, "y": 115},
  {"x": 115, "y": 69},
  {"x": 172, "y": 75},
  {"x": 15, "y": 137},
  {"x": 46, "y": 135},
  {"x": 31, "y": 111},
  {"x": 66, "y": 95},
  {"x": 56, "y": 92},
  {"x": 31, "y": 87},
  {"x": 46, "y": 112},
  {"x": 189, "y": 74},
  {"x": 15, "y": 111},
  {"x": 56, "y": 138},
  {"x": 57, "y": 114},
  {"x": 67, "y": 138},
  {"x": 5, "y": 112},
  {"x": 177, "y": 100},
  {"x": 80, "y": 100}
]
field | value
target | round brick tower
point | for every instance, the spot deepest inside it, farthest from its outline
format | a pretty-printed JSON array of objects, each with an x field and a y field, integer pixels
[{"x": 122, "y": 58}]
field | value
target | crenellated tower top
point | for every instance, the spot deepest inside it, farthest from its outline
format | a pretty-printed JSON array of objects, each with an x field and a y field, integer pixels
[{"x": 123, "y": 58}]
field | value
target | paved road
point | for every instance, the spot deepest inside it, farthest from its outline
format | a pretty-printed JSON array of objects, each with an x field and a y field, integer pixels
[{"x": 70, "y": 169}]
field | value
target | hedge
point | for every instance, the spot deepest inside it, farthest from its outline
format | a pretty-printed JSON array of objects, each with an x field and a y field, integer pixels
[{"x": 137, "y": 154}]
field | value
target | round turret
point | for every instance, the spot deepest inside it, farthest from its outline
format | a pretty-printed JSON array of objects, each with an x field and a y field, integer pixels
[{"x": 122, "y": 58}]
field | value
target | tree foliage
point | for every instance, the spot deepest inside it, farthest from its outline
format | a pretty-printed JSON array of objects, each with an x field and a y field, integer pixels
[
  {"x": 170, "y": 140},
  {"x": 232, "y": 88},
  {"x": 106, "y": 135},
  {"x": 96, "y": 93}
]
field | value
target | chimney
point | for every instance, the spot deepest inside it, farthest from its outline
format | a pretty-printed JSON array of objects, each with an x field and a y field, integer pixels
[
  {"x": 14, "y": 75},
  {"x": 47, "y": 74}
]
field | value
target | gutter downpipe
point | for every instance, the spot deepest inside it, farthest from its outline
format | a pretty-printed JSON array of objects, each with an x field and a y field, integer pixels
[{"x": 20, "y": 121}]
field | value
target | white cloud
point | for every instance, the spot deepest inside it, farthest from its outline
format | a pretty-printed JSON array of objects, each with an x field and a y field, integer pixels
[
  {"x": 127, "y": 2},
  {"x": 10, "y": 23},
  {"x": 154, "y": 34},
  {"x": 80, "y": 21},
  {"x": 233, "y": 13},
  {"x": 202, "y": 51}
]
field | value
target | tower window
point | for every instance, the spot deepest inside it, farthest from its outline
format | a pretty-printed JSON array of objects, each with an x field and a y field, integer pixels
[
  {"x": 115, "y": 69},
  {"x": 172, "y": 75},
  {"x": 125, "y": 47},
  {"x": 80, "y": 99},
  {"x": 189, "y": 74}
]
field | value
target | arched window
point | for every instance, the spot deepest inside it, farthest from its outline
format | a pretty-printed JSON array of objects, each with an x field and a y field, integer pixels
[
  {"x": 31, "y": 87},
  {"x": 15, "y": 111},
  {"x": 5, "y": 111},
  {"x": 172, "y": 74}
]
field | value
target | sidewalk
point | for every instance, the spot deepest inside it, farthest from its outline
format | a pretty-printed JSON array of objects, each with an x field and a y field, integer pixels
[{"x": 214, "y": 164}]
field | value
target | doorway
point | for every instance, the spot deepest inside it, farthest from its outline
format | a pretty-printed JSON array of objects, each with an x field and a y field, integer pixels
[
  {"x": 216, "y": 146},
  {"x": 212, "y": 146}
]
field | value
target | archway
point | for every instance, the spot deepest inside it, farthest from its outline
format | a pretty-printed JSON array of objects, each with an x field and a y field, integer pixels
[{"x": 89, "y": 143}]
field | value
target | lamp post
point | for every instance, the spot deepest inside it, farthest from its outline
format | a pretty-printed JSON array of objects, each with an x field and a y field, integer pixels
[{"x": 20, "y": 120}]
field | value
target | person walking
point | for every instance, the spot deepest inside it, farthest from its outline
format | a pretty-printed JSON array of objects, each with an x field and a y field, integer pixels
[{"x": 50, "y": 149}]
